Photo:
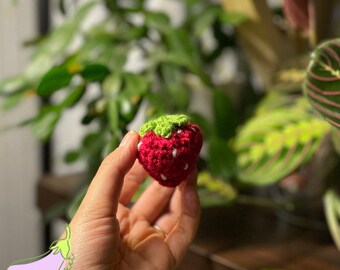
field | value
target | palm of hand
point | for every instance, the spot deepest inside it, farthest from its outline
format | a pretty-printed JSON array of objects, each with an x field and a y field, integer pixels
[{"x": 141, "y": 246}]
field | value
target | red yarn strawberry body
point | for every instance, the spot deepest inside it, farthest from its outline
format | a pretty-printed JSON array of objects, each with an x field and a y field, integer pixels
[{"x": 170, "y": 160}]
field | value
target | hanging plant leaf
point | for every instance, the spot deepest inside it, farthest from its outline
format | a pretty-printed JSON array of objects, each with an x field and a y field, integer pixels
[
  {"x": 270, "y": 146},
  {"x": 95, "y": 72},
  {"x": 72, "y": 156},
  {"x": 55, "y": 79},
  {"x": 322, "y": 82},
  {"x": 73, "y": 97}
]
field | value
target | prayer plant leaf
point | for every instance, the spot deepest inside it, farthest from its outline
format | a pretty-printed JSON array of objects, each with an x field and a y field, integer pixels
[
  {"x": 322, "y": 82},
  {"x": 272, "y": 145}
]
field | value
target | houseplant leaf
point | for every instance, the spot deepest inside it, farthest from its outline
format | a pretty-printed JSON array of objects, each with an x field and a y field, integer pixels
[
  {"x": 272, "y": 145},
  {"x": 55, "y": 79},
  {"x": 73, "y": 97},
  {"x": 321, "y": 85},
  {"x": 95, "y": 72}
]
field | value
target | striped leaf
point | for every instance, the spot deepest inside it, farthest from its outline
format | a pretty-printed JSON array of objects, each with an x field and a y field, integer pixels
[
  {"x": 271, "y": 146},
  {"x": 322, "y": 82}
]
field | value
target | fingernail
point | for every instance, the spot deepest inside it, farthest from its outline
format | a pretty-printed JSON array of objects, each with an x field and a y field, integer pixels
[{"x": 126, "y": 139}]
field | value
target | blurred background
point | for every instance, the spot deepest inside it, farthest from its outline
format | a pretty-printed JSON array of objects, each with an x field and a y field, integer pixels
[
  {"x": 76, "y": 75},
  {"x": 20, "y": 222}
]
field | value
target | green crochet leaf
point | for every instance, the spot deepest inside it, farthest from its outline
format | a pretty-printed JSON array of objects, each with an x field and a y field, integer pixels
[
  {"x": 164, "y": 125},
  {"x": 322, "y": 82},
  {"x": 272, "y": 145}
]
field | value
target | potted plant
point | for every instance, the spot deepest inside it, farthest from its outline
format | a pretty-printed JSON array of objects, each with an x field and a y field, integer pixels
[
  {"x": 291, "y": 142},
  {"x": 257, "y": 140},
  {"x": 175, "y": 64}
]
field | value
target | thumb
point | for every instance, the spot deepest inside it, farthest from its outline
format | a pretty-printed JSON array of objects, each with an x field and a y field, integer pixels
[{"x": 101, "y": 199}]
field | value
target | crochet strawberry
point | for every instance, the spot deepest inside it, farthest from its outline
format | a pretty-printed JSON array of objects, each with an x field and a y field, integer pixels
[{"x": 169, "y": 147}]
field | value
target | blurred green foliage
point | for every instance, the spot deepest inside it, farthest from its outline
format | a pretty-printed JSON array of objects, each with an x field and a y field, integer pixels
[{"x": 282, "y": 134}]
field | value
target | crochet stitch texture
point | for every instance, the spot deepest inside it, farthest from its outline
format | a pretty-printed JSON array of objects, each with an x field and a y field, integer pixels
[{"x": 169, "y": 148}]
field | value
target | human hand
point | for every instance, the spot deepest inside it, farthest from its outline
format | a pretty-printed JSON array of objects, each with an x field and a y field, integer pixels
[{"x": 153, "y": 234}]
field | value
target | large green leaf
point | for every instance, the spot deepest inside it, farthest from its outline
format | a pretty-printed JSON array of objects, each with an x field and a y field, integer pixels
[
  {"x": 322, "y": 82},
  {"x": 272, "y": 145},
  {"x": 55, "y": 79}
]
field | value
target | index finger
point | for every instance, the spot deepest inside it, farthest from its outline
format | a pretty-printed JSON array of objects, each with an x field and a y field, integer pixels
[{"x": 105, "y": 188}]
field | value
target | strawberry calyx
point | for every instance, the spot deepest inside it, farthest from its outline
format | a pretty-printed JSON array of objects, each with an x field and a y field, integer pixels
[{"x": 164, "y": 125}]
